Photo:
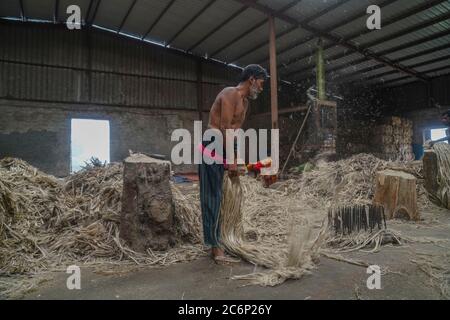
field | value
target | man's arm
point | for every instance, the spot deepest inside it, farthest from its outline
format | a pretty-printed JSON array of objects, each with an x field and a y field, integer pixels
[{"x": 228, "y": 107}]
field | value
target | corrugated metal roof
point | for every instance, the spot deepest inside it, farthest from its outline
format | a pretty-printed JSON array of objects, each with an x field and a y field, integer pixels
[
  {"x": 287, "y": 40},
  {"x": 217, "y": 28},
  {"x": 230, "y": 31},
  {"x": 42, "y": 11},
  {"x": 276, "y": 5},
  {"x": 110, "y": 13},
  {"x": 175, "y": 18},
  {"x": 9, "y": 9},
  {"x": 141, "y": 17},
  {"x": 348, "y": 9},
  {"x": 216, "y": 13},
  {"x": 308, "y": 8}
]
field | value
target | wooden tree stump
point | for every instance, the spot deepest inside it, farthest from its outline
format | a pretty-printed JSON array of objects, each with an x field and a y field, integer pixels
[
  {"x": 430, "y": 171},
  {"x": 396, "y": 192},
  {"x": 147, "y": 219}
]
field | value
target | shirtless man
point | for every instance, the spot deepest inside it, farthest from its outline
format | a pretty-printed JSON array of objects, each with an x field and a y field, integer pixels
[{"x": 227, "y": 112}]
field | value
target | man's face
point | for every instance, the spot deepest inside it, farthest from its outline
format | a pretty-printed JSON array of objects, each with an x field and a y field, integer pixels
[
  {"x": 445, "y": 120},
  {"x": 256, "y": 87}
]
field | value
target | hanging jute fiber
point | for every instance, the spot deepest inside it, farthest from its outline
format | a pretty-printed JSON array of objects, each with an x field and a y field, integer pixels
[
  {"x": 442, "y": 195},
  {"x": 300, "y": 258}
]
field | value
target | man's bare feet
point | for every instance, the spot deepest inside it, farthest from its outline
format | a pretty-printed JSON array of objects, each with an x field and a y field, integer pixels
[{"x": 219, "y": 257}]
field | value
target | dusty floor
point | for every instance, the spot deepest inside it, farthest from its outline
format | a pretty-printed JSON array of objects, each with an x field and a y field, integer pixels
[{"x": 405, "y": 276}]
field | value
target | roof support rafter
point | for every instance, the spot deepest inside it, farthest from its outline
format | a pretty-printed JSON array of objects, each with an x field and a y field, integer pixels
[
  {"x": 253, "y": 28},
  {"x": 195, "y": 17},
  {"x": 385, "y": 52},
  {"x": 329, "y": 29},
  {"x": 56, "y": 12},
  {"x": 126, "y": 16},
  {"x": 404, "y": 78},
  {"x": 22, "y": 10},
  {"x": 369, "y": 54},
  {"x": 220, "y": 26},
  {"x": 405, "y": 58},
  {"x": 160, "y": 16},
  {"x": 291, "y": 29},
  {"x": 394, "y": 19},
  {"x": 422, "y": 25},
  {"x": 90, "y": 18},
  {"x": 416, "y": 65}
]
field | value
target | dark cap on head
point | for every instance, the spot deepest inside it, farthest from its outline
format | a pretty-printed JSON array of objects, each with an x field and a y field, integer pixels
[{"x": 253, "y": 70}]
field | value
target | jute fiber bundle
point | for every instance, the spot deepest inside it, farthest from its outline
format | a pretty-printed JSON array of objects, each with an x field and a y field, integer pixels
[
  {"x": 442, "y": 151},
  {"x": 47, "y": 222},
  {"x": 299, "y": 259},
  {"x": 232, "y": 231}
]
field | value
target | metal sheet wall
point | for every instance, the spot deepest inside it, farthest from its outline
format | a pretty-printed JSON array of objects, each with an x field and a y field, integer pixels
[
  {"x": 415, "y": 95},
  {"x": 52, "y": 63}
]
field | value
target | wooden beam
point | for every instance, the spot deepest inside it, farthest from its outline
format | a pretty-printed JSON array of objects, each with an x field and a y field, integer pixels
[
  {"x": 273, "y": 73},
  {"x": 327, "y": 103}
]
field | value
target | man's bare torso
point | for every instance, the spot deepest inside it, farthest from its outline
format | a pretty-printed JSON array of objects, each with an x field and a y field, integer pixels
[{"x": 228, "y": 110}]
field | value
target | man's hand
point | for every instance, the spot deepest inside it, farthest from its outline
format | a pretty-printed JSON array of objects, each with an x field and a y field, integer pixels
[
  {"x": 232, "y": 170},
  {"x": 236, "y": 170}
]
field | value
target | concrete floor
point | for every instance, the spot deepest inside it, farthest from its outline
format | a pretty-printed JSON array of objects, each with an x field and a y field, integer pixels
[{"x": 202, "y": 279}]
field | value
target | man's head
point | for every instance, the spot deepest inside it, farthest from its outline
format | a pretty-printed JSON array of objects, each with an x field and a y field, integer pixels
[
  {"x": 445, "y": 118},
  {"x": 254, "y": 75}
]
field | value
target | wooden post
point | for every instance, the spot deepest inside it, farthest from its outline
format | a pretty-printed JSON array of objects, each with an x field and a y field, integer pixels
[
  {"x": 273, "y": 73},
  {"x": 320, "y": 71},
  {"x": 430, "y": 171}
]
